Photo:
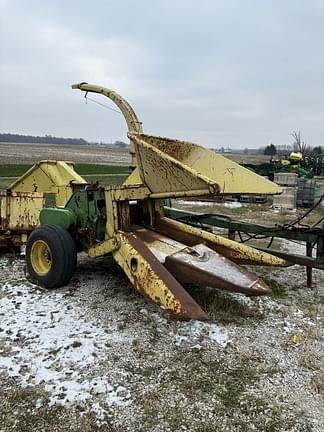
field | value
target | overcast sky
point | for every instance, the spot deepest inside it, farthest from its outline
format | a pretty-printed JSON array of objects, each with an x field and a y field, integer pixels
[{"x": 238, "y": 73}]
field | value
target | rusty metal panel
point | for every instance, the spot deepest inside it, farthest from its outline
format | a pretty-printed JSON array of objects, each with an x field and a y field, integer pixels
[
  {"x": 19, "y": 211},
  {"x": 128, "y": 192},
  {"x": 103, "y": 248},
  {"x": 153, "y": 280},
  {"x": 237, "y": 252},
  {"x": 169, "y": 165},
  {"x": 49, "y": 177}
]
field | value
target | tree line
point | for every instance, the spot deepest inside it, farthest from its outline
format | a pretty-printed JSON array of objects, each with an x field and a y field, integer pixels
[{"x": 49, "y": 139}]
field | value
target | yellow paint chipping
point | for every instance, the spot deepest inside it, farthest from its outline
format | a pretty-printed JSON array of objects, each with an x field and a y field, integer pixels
[
  {"x": 229, "y": 248},
  {"x": 143, "y": 277},
  {"x": 171, "y": 166},
  {"x": 103, "y": 248},
  {"x": 49, "y": 177}
]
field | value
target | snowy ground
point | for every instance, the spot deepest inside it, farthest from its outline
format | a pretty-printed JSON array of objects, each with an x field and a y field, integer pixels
[{"x": 96, "y": 356}]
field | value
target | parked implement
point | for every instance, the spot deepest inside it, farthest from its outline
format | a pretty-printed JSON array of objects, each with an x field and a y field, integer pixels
[{"x": 157, "y": 253}]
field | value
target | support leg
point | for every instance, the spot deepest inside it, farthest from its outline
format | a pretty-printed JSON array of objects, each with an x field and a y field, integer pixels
[{"x": 309, "y": 270}]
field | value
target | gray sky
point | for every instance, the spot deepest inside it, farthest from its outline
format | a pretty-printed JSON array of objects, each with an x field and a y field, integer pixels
[{"x": 221, "y": 73}]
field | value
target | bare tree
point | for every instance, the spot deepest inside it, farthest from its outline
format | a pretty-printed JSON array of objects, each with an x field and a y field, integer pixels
[{"x": 299, "y": 145}]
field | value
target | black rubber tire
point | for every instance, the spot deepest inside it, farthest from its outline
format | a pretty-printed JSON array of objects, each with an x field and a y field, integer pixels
[{"x": 63, "y": 256}]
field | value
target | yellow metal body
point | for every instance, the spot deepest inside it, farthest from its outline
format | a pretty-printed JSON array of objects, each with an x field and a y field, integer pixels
[
  {"x": 21, "y": 203},
  {"x": 296, "y": 156},
  {"x": 173, "y": 168},
  {"x": 152, "y": 279},
  {"x": 19, "y": 211},
  {"x": 49, "y": 176},
  {"x": 103, "y": 248},
  {"x": 170, "y": 167},
  {"x": 155, "y": 251},
  {"x": 19, "y": 215}
]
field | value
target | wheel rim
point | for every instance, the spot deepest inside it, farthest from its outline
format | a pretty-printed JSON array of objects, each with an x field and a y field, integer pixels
[{"x": 41, "y": 258}]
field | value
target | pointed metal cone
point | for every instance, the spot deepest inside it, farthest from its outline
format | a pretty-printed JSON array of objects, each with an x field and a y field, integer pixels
[{"x": 202, "y": 266}]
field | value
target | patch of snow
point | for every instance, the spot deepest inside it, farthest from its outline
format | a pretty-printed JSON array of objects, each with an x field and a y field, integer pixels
[
  {"x": 233, "y": 204},
  {"x": 197, "y": 332},
  {"x": 196, "y": 203},
  {"x": 99, "y": 412},
  {"x": 51, "y": 344},
  {"x": 193, "y": 333}
]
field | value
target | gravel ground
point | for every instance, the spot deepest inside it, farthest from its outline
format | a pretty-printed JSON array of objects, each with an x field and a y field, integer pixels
[{"x": 95, "y": 356}]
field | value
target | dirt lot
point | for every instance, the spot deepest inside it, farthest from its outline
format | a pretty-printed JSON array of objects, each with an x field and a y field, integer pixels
[{"x": 95, "y": 356}]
